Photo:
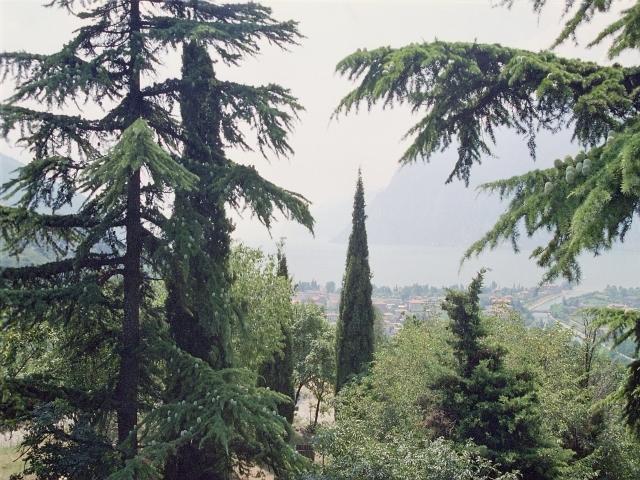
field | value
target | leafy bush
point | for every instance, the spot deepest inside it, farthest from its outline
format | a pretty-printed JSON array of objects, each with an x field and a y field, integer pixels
[{"x": 355, "y": 455}]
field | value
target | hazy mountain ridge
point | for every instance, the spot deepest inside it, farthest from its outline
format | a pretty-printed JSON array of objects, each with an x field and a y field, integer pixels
[
  {"x": 33, "y": 254},
  {"x": 8, "y": 166},
  {"x": 418, "y": 208}
]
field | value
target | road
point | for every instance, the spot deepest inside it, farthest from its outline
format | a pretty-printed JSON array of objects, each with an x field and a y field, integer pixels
[{"x": 539, "y": 308}]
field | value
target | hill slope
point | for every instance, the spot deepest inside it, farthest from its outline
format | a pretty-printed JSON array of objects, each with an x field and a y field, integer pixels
[{"x": 417, "y": 208}]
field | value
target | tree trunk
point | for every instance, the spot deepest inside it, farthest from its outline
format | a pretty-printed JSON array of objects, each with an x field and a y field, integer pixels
[
  {"x": 315, "y": 420},
  {"x": 297, "y": 397},
  {"x": 129, "y": 373}
]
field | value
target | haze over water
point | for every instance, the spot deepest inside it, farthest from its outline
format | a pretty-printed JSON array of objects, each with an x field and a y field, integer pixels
[
  {"x": 438, "y": 266},
  {"x": 328, "y": 153}
]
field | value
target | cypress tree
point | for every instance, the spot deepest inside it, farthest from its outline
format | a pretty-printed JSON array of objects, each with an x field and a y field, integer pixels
[
  {"x": 283, "y": 268},
  {"x": 111, "y": 250},
  {"x": 355, "y": 332},
  {"x": 495, "y": 408},
  {"x": 277, "y": 372}
]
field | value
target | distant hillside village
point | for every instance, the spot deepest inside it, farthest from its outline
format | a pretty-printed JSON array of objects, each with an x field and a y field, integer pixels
[{"x": 423, "y": 302}]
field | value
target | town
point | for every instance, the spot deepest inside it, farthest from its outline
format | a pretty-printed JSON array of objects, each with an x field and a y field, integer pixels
[{"x": 423, "y": 302}]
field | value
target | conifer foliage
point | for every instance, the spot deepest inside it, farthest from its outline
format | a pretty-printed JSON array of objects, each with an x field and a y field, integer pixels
[
  {"x": 495, "y": 408},
  {"x": 200, "y": 308},
  {"x": 160, "y": 376},
  {"x": 625, "y": 325},
  {"x": 355, "y": 335}
]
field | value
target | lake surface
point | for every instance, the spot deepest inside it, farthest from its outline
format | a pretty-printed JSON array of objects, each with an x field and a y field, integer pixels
[{"x": 404, "y": 265}]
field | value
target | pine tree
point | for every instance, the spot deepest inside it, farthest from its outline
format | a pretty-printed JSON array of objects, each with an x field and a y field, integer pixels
[
  {"x": 355, "y": 332},
  {"x": 468, "y": 90},
  {"x": 109, "y": 251},
  {"x": 103, "y": 64},
  {"x": 200, "y": 233},
  {"x": 199, "y": 306},
  {"x": 495, "y": 408},
  {"x": 277, "y": 373}
]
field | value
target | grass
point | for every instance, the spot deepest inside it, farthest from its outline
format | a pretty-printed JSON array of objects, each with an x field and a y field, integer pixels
[{"x": 9, "y": 462}]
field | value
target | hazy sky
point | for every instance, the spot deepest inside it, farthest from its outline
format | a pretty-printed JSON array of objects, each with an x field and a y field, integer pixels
[{"x": 328, "y": 152}]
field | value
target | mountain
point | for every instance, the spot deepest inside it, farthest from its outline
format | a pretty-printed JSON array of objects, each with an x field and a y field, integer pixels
[
  {"x": 418, "y": 208},
  {"x": 32, "y": 254},
  {"x": 8, "y": 166}
]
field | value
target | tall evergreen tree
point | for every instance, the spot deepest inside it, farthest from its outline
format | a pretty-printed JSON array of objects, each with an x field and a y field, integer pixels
[
  {"x": 109, "y": 251},
  {"x": 200, "y": 310},
  {"x": 283, "y": 267},
  {"x": 200, "y": 232},
  {"x": 468, "y": 90},
  {"x": 355, "y": 332},
  {"x": 104, "y": 62},
  {"x": 277, "y": 372},
  {"x": 488, "y": 404}
]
